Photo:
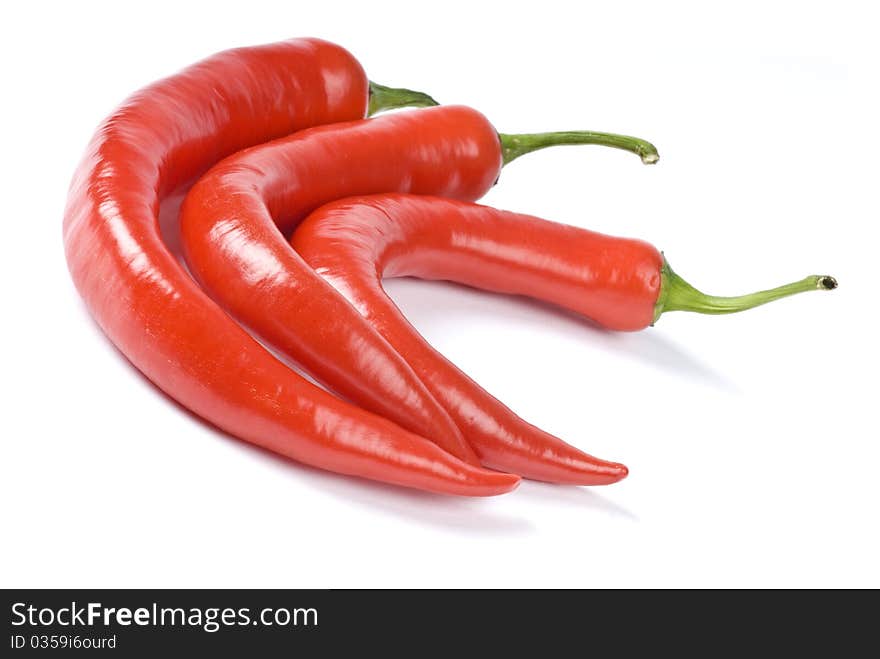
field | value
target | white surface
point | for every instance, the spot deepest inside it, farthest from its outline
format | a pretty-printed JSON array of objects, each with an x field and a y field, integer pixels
[{"x": 751, "y": 439}]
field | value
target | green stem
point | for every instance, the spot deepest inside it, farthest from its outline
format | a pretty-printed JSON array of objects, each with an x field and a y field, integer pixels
[
  {"x": 678, "y": 295},
  {"x": 514, "y": 146},
  {"x": 390, "y": 98}
]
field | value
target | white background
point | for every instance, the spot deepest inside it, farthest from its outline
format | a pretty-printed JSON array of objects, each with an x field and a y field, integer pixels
[{"x": 751, "y": 439}]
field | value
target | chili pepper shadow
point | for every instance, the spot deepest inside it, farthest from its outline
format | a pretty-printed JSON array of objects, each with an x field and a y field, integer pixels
[
  {"x": 468, "y": 515},
  {"x": 449, "y": 301},
  {"x": 169, "y": 225},
  {"x": 583, "y": 498}
]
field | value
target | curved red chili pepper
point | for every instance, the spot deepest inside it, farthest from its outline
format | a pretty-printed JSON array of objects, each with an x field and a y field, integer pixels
[
  {"x": 160, "y": 139},
  {"x": 231, "y": 241},
  {"x": 617, "y": 282},
  {"x": 353, "y": 243}
]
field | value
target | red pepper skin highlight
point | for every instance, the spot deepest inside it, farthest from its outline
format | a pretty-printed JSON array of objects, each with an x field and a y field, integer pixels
[
  {"x": 160, "y": 139},
  {"x": 353, "y": 243},
  {"x": 230, "y": 225}
]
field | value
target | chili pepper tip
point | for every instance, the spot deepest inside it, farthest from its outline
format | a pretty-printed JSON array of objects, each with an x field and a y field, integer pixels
[
  {"x": 828, "y": 282},
  {"x": 622, "y": 471}
]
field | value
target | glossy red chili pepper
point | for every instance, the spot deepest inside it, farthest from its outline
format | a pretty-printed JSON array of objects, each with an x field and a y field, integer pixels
[
  {"x": 231, "y": 241},
  {"x": 618, "y": 282},
  {"x": 155, "y": 142}
]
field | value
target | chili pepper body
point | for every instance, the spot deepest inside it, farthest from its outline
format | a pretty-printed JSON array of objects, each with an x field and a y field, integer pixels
[
  {"x": 233, "y": 246},
  {"x": 353, "y": 243},
  {"x": 157, "y": 141}
]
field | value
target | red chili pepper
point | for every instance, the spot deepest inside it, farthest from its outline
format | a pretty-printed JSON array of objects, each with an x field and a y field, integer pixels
[
  {"x": 231, "y": 217},
  {"x": 160, "y": 139},
  {"x": 621, "y": 283}
]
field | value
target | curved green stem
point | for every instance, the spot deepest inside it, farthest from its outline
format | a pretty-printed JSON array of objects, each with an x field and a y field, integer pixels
[
  {"x": 390, "y": 98},
  {"x": 678, "y": 295},
  {"x": 514, "y": 146}
]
